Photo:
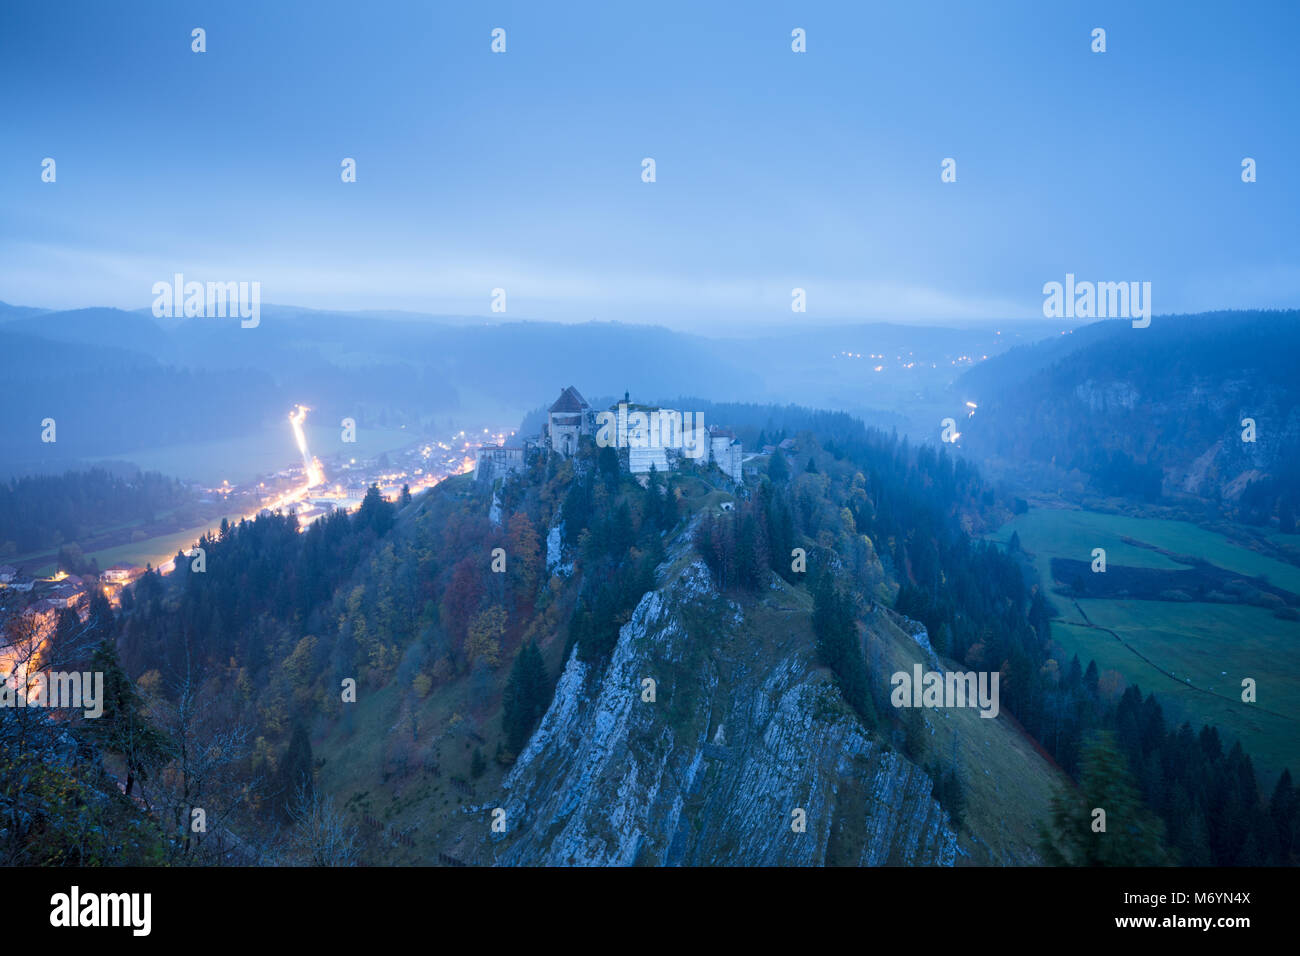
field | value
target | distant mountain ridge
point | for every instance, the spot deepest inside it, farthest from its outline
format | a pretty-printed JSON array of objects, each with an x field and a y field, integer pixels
[
  {"x": 211, "y": 378},
  {"x": 9, "y": 312}
]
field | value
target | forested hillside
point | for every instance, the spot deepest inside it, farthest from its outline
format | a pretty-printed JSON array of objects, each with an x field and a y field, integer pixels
[
  {"x": 45, "y": 511},
  {"x": 1155, "y": 412},
  {"x": 385, "y": 674}
]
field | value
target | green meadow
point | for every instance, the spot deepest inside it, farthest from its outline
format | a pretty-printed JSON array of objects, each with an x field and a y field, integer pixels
[
  {"x": 1060, "y": 533},
  {"x": 156, "y": 550},
  {"x": 1193, "y": 655}
]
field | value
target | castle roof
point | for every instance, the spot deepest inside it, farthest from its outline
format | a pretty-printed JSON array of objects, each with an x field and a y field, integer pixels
[{"x": 570, "y": 400}]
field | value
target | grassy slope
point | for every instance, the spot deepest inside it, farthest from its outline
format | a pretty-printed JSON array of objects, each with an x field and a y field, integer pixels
[{"x": 1007, "y": 782}]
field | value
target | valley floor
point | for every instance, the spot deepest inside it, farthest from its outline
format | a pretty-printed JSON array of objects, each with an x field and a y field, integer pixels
[{"x": 1194, "y": 655}]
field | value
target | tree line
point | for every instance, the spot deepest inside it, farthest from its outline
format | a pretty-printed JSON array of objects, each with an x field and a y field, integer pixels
[{"x": 46, "y": 511}]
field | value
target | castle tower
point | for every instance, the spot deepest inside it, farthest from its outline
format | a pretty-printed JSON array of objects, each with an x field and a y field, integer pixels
[{"x": 567, "y": 421}]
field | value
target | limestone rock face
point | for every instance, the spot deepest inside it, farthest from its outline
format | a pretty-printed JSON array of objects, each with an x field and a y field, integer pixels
[
  {"x": 611, "y": 777},
  {"x": 555, "y": 549},
  {"x": 1107, "y": 396}
]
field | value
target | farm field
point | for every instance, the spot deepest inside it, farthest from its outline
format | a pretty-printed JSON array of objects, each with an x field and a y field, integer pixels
[
  {"x": 156, "y": 550},
  {"x": 1053, "y": 532},
  {"x": 1192, "y": 655}
]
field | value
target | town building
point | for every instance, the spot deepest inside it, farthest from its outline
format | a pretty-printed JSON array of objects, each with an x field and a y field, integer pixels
[
  {"x": 45, "y": 614},
  {"x": 67, "y": 593},
  {"x": 121, "y": 573},
  {"x": 117, "y": 578}
]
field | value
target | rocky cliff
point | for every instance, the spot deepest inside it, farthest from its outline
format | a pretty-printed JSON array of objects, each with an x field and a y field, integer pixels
[{"x": 741, "y": 751}]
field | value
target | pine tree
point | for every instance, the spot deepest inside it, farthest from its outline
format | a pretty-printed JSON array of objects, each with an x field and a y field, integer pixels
[
  {"x": 576, "y": 511},
  {"x": 1134, "y": 836},
  {"x": 777, "y": 469},
  {"x": 836, "y": 631},
  {"x": 660, "y": 509},
  {"x": 375, "y": 512},
  {"x": 122, "y": 728},
  {"x": 951, "y": 796},
  {"x": 607, "y": 465},
  {"x": 750, "y": 552},
  {"x": 526, "y": 697},
  {"x": 622, "y": 533},
  {"x": 296, "y": 773}
]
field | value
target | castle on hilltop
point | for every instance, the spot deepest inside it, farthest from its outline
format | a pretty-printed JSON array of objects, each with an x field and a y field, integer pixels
[
  {"x": 645, "y": 436},
  {"x": 567, "y": 420}
]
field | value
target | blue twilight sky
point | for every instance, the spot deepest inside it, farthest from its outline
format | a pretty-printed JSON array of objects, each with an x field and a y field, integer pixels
[{"x": 523, "y": 171}]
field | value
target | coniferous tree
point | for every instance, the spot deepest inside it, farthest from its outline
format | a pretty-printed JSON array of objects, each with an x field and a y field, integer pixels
[
  {"x": 607, "y": 465},
  {"x": 123, "y": 728},
  {"x": 1134, "y": 836},
  {"x": 778, "y": 469},
  {"x": 622, "y": 534},
  {"x": 836, "y": 631},
  {"x": 947, "y": 789},
  {"x": 526, "y": 697},
  {"x": 576, "y": 511},
  {"x": 296, "y": 774},
  {"x": 658, "y": 501},
  {"x": 375, "y": 512}
]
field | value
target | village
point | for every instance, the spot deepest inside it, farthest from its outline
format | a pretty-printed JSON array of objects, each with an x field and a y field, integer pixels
[
  {"x": 40, "y": 600},
  {"x": 31, "y": 600}
]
